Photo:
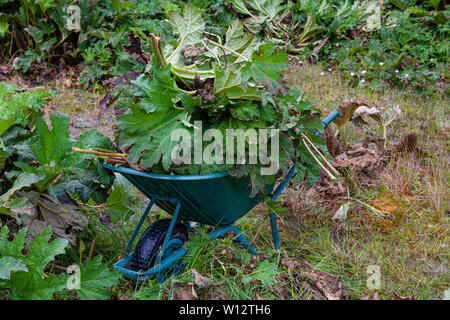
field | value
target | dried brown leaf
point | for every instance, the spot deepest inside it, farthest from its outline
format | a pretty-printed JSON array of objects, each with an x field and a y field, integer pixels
[
  {"x": 135, "y": 49},
  {"x": 186, "y": 292},
  {"x": 199, "y": 280}
]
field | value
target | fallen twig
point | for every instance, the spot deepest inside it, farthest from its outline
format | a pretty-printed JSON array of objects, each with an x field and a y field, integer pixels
[
  {"x": 92, "y": 249},
  {"x": 254, "y": 238},
  {"x": 64, "y": 269},
  {"x": 378, "y": 213}
]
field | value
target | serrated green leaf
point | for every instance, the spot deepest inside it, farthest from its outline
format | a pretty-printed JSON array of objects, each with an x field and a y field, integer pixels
[
  {"x": 150, "y": 89},
  {"x": 95, "y": 278},
  {"x": 41, "y": 251},
  {"x": 245, "y": 111},
  {"x": 25, "y": 179},
  {"x": 225, "y": 79},
  {"x": 266, "y": 273},
  {"x": 30, "y": 284},
  {"x": 3, "y": 154},
  {"x": 239, "y": 6},
  {"x": 153, "y": 141},
  {"x": 120, "y": 202},
  {"x": 10, "y": 264},
  {"x": 20, "y": 108},
  {"x": 47, "y": 173},
  {"x": 264, "y": 64},
  {"x": 52, "y": 144},
  {"x": 12, "y": 248},
  {"x": 188, "y": 27}
]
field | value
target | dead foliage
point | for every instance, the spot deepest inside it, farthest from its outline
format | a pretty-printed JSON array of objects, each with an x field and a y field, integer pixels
[
  {"x": 5, "y": 71},
  {"x": 346, "y": 111},
  {"x": 135, "y": 49},
  {"x": 65, "y": 220},
  {"x": 334, "y": 144},
  {"x": 199, "y": 280},
  {"x": 184, "y": 291},
  {"x": 325, "y": 189},
  {"x": 365, "y": 296},
  {"x": 367, "y": 156},
  {"x": 205, "y": 89},
  {"x": 109, "y": 98},
  {"x": 193, "y": 52},
  {"x": 407, "y": 144},
  {"x": 314, "y": 283}
]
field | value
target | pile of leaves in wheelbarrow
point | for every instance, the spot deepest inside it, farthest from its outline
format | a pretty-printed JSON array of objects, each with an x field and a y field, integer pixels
[{"x": 233, "y": 82}]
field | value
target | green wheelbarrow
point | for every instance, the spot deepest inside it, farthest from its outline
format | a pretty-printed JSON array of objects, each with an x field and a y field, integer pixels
[{"x": 214, "y": 199}]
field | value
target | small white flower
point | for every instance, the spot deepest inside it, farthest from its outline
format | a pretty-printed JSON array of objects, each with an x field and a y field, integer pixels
[
  {"x": 352, "y": 74},
  {"x": 406, "y": 75},
  {"x": 322, "y": 73},
  {"x": 329, "y": 70},
  {"x": 362, "y": 81},
  {"x": 396, "y": 71},
  {"x": 381, "y": 63},
  {"x": 363, "y": 72}
]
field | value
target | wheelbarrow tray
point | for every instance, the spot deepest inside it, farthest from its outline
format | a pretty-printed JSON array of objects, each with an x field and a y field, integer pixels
[{"x": 215, "y": 199}]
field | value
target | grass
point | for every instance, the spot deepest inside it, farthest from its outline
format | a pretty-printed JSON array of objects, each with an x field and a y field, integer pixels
[{"x": 411, "y": 249}]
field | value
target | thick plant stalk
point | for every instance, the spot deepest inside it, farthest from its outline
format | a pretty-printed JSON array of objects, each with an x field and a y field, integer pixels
[
  {"x": 177, "y": 71},
  {"x": 227, "y": 49},
  {"x": 110, "y": 154},
  {"x": 110, "y": 157},
  {"x": 321, "y": 155},
  {"x": 157, "y": 49},
  {"x": 318, "y": 162}
]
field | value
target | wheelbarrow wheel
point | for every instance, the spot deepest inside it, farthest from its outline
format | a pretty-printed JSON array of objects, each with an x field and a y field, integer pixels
[{"x": 152, "y": 239}]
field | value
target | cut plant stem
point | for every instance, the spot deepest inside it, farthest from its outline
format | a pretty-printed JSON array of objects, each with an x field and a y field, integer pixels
[
  {"x": 116, "y": 162},
  {"x": 189, "y": 76},
  {"x": 157, "y": 49},
  {"x": 227, "y": 49},
  {"x": 104, "y": 150},
  {"x": 318, "y": 162},
  {"x": 98, "y": 153},
  {"x": 64, "y": 269},
  {"x": 254, "y": 238},
  {"x": 92, "y": 249},
  {"x": 192, "y": 71},
  {"x": 320, "y": 154}
]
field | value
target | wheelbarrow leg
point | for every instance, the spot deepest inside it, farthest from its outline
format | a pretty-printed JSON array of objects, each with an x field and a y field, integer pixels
[
  {"x": 164, "y": 265},
  {"x": 172, "y": 224},
  {"x": 272, "y": 217},
  {"x": 273, "y": 227},
  {"x": 130, "y": 242},
  {"x": 239, "y": 237}
]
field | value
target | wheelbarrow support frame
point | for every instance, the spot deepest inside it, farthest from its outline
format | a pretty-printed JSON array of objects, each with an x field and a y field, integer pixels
[{"x": 171, "y": 250}]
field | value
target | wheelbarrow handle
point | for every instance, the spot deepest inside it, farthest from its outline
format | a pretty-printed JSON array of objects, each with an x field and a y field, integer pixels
[
  {"x": 333, "y": 115},
  {"x": 329, "y": 118}
]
